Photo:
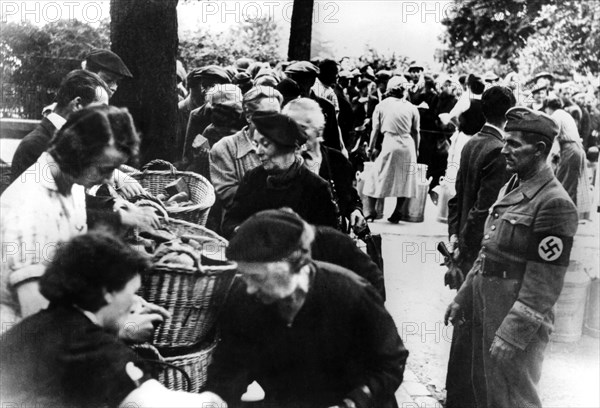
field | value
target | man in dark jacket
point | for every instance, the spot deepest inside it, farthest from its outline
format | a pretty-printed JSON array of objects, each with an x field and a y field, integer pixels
[
  {"x": 481, "y": 174},
  {"x": 79, "y": 89},
  {"x": 311, "y": 334}
]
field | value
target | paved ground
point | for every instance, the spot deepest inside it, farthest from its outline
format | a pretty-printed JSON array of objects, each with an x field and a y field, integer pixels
[{"x": 417, "y": 300}]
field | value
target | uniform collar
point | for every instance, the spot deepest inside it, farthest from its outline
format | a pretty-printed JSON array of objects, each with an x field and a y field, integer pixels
[
  {"x": 245, "y": 146},
  {"x": 530, "y": 187}
]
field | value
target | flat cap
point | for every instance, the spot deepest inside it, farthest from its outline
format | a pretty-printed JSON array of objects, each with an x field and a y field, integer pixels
[
  {"x": 242, "y": 64},
  {"x": 242, "y": 78},
  {"x": 279, "y": 128},
  {"x": 530, "y": 121},
  {"x": 543, "y": 74},
  {"x": 208, "y": 71},
  {"x": 539, "y": 87},
  {"x": 383, "y": 74},
  {"x": 229, "y": 95},
  {"x": 267, "y": 236},
  {"x": 302, "y": 67},
  {"x": 108, "y": 61}
]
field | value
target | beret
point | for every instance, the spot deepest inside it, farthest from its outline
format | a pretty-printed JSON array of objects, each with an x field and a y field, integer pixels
[
  {"x": 279, "y": 128},
  {"x": 302, "y": 67},
  {"x": 267, "y": 236},
  {"x": 398, "y": 81},
  {"x": 108, "y": 61},
  {"x": 530, "y": 121}
]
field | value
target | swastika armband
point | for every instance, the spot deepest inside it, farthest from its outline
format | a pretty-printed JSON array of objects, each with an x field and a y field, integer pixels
[{"x": 550, "y": 249}]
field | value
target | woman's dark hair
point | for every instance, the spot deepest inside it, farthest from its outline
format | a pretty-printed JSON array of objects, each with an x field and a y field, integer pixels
[
  {"x": 88, "y": 132},
  {"x": 79, "y": 83},
  {"x": 496, "y": 101},
  {"x": 87, "y": 266}
]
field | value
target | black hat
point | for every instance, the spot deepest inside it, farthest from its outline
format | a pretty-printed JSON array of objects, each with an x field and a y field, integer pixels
[
  {"x": 415, "y": 67},
  {"x": 302, "y": 67},
  {"x": 209, "y": 71},
  {"x": 107, "y": 60},
  {"x": 280, "y": 129},
  {"x": 534, "y": 122},
  {"x": 267, "y": 236}
]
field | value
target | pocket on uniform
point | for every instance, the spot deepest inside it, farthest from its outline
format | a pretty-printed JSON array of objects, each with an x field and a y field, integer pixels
[{"x": 515, "y": 232}]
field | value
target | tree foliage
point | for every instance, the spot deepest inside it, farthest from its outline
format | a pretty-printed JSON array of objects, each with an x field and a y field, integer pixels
[
  {"x": 568, "y": 39},
  {"x": 34, "y": 60},
  {"x": 548, "y": 34},
  {"x": 258, "y": 38}
]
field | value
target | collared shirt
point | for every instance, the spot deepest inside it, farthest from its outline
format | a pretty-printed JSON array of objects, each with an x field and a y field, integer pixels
[
  {"x": 497, "y": 128},
  {"x": 57, "y": 120},
  {"x": 34, "y": 218}
]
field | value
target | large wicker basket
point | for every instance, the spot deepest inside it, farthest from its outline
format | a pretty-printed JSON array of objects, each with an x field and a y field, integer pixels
[
  {"x": 202, "y": 193},
  {"x": 181, "y": 372},
  {"x": 193, "y": 296}
]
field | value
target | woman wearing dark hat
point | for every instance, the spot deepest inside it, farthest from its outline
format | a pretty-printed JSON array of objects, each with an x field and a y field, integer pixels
[{"x": 281, "y": 180}]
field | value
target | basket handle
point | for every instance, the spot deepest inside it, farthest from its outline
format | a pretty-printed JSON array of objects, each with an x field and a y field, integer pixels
[
  {"x": 159, "y": 162},
  {"x": 160, "y": 360}
]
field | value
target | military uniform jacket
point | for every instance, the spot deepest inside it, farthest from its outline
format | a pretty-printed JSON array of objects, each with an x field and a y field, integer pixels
[{"x": 529, "y": 232}]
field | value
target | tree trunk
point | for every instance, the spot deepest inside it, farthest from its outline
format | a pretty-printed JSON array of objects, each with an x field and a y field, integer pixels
[
  {"x": 144, "y": 34},
  {"x": 301, "y": 30}
]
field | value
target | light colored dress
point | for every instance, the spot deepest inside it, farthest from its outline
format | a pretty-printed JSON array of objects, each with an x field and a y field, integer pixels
[{"x": 394, "y": 172}]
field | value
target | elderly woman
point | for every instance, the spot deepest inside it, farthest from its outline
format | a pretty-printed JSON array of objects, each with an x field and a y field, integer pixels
[
  {"x": 281, "y": 180},
  {"x": 394, "y": 172},
  {"x": 328, "y": 163},
  {"x": 38, "y": 213},
  {"x": 311, "y": 334},
  {"x": 69, "y": 354}
]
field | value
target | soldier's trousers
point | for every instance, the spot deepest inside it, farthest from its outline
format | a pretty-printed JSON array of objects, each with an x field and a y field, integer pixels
[{"x": 513, "y": 384}]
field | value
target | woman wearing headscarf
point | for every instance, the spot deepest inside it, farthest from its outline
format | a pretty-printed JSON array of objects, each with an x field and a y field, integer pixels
[
  {"x": 281, "y": 180},
  {"x": 394, "y": 173}
]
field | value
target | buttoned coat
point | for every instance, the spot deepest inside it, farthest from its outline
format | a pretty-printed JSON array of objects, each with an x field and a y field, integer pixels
[{"x": 529, "y": 232}]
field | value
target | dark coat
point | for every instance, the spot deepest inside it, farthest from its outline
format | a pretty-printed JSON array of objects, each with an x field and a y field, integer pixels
[
  {"x": 58, "y": 357},
  {"x": 337, "y": 168},
  {"x": 306, "y": 193},
  {"x": 31, "y": 147},
  {"x": 481, "y": 175},
  {"x": 335, "y": 247},
  {"x": 345, "y": 116},
  {"x": 341, "y": 340}
]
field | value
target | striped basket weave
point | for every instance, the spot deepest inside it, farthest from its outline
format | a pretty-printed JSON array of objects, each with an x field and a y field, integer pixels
[
  {"x": 202, "y": 193},
  {"x": 193, "y": 295}
]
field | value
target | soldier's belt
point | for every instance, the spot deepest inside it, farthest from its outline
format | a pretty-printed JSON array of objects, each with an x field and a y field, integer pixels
[{"x": 503, "y": 270}]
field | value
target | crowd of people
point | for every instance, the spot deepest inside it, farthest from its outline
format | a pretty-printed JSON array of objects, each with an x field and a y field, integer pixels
[{"x": 282, "y": 147}]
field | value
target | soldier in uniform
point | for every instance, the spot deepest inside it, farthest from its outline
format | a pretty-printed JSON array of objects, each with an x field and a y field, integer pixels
[{"x": 519, "y": 272}]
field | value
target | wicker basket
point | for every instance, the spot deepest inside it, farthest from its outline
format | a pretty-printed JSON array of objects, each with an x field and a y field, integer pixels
[
  {"x": 202, "y": 193},
  {"x": 193, "y": 296},
  {"x": 184, "y": 372}
]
